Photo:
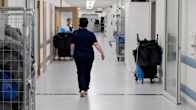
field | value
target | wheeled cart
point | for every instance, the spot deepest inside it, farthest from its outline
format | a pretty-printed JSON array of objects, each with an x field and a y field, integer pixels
[
  {"x": 62, "y": 45},
  {"x": 150, "y": 72},
  {"x": 17, "y": 74},
  {"x": 148, "y": 56}
]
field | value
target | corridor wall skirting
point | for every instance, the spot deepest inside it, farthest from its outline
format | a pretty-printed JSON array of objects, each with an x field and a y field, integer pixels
[
  {"x": 192, "y": 63},
  {"x": 188, "y": 91}
]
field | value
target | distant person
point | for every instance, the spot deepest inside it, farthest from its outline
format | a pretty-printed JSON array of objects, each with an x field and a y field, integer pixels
[
  {"x": 82, "y": 44},
  {"x": 96, "y": 22},
  {"x": 69, "y": 24},
  {"x": 68, "y": 27}
]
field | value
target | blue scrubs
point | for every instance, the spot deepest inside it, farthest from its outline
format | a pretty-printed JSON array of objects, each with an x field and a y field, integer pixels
[{"x": 84, "y": 56}]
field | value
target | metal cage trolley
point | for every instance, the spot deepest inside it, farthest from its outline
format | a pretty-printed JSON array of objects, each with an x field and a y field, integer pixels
[
  {"x": 17, "y": 75},
  {"x": 120, "y": 46}
]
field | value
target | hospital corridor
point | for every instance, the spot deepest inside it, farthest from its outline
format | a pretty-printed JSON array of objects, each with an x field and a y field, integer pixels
[
  {"x": 112, "y": 87},
  {"x": 97, "y": 55}
]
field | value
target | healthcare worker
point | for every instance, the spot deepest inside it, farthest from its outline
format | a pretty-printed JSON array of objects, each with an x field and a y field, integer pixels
[
  {"x": 67, "y": 28},
  {"x": 82, "y": 44}
]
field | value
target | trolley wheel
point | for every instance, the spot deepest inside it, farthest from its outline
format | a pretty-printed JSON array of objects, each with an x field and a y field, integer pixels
[
  {"x": 151, "y": 80},
  {"x": 136, "y": 79},
  {"x": 118, "y": 58}
]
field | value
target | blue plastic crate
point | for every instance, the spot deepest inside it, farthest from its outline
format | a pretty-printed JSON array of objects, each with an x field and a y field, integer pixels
[{"x": 120, "y": 38}]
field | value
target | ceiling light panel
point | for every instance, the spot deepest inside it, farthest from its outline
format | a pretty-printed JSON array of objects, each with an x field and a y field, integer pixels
[{"x": 90, "y": 4}]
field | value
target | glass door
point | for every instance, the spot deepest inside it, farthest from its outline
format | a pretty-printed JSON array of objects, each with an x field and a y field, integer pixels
[{"x": 172, "y": 73}]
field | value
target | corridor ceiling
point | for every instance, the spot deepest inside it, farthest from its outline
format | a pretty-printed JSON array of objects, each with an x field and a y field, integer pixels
[{"x": 98, "y": 3}]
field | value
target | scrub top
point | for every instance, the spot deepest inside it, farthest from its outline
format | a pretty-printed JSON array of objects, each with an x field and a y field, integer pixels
[
  {"x": 84, "y": 41},
  {"x": 65, "y": 29}
]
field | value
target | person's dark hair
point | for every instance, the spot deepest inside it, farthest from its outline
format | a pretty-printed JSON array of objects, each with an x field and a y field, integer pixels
[
  {"x": 68, "y": 19},
  {"x": 83, "y": 22}
]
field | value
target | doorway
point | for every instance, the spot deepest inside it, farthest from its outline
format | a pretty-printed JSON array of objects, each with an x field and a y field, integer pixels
[{"x": 61, "y": 13}]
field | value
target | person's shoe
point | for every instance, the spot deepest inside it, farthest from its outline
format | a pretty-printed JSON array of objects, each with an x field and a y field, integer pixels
[
  {"x": 86, "y": 93},
  {"x": 82, "y": 94}
]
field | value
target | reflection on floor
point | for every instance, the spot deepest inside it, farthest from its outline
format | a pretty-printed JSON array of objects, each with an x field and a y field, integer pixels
[{"x": 112, "y": 88}]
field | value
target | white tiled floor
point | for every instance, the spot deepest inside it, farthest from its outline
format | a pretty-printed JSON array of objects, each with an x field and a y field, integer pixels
[
  {"x": 112, "y": 88},
  {"x": 69, "y": 102}
]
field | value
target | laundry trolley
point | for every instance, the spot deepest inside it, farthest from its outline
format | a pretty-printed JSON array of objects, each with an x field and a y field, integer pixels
[
  {"x": 17, "y": 74},
  {"x": 148, "y": 56}
]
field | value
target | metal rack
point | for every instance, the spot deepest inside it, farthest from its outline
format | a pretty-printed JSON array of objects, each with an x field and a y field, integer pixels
[
  {"x": 120, "y": 46},
  {"x": 17, "y": 75}
]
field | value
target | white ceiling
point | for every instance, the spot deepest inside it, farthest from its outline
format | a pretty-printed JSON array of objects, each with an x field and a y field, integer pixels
[{"x": 98, "y": 3}]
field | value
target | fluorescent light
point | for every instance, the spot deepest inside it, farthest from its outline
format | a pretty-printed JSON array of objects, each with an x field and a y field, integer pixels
[{"x": 90, "y": 4}]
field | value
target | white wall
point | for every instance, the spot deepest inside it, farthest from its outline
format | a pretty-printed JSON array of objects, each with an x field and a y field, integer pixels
[
  {"x": 16, "y": 3},
  {"x": 188, "y": 39},
  {"x": 160, "y": 26},
  {"x": 138, "y": 20},
  {"x": 21, "y": 3},
  {"x": 57, "y": 3},
  {"x": 160, "y": 21}
]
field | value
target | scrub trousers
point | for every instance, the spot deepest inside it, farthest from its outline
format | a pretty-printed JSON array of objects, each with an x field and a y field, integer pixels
[{"x": 84, "y": 66}]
